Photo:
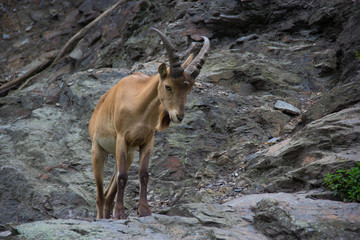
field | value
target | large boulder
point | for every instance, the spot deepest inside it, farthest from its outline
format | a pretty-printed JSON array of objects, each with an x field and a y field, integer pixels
[
  {"x": 45, "y": 148},
  {"x": 256, "y": 217},
  {"x": 302, "y": 161},
  {"x": 286, "y": 216}
]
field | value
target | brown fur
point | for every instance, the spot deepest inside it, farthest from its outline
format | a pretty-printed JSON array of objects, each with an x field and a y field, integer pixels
[
  {"x": 126, "y": 119},
  {"x": 164, "y": 121}
]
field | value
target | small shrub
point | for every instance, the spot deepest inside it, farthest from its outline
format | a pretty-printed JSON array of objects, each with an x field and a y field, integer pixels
[
  {"x": 345, "y": 183},
  {"x": 357, "y": 55}
]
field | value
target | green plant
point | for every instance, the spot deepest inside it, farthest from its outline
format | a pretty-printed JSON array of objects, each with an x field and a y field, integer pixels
[
  {"x": 357, "y": 55},
  {"x": 345, "y": 183}
]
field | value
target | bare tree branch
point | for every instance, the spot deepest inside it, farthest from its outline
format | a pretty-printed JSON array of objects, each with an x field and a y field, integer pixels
[{"x": 49, "y": 62}]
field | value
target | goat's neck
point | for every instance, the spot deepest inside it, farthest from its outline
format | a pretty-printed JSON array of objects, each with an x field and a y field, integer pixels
[{"x": 149, "y": 105}]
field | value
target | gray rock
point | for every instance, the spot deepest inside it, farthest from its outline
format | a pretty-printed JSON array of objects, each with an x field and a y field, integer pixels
[
  {"x": 21, "y": 43},
  {"x": 304, "y": 160},
  {"x": 5, "y": 36},
  {"x": 285, "y": 218},
  {"x": 325, "y": 61},
  {"x": 279, "y": 215},
  {"x": 287, "y": 107},
  {"x": 209, "y": 215},
  {"x": 255, "y": 69},
  {"x": 153, "y": 227},
  {"x": 38, "y": 15},
  {"x": 273, "y": 140},
  {"x": 245, "y": 38},
  {"x": 334, "y": 100},
  {"x": 76, "y": 54},
  {"x": 28, "y": 28}
]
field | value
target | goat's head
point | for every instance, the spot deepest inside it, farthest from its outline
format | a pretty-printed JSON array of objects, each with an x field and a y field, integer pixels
[{"x": 177, "y": 80}]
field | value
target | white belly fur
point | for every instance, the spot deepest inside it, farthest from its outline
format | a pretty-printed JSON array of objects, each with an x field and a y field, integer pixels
[{"x": 109, "y": 145}]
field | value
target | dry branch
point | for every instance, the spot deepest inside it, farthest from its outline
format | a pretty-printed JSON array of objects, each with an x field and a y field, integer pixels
[
  {"x": 49, "y": 62},
  {"x": 44, "y": 63}
]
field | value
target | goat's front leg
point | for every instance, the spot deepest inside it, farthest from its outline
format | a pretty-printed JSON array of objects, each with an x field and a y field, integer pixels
[
  {"x": 122, "y": 177},
  {"x": 145, "y": 153}
]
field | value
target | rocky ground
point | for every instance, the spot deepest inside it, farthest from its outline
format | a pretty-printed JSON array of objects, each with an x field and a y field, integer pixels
[{"x": 240, "y": 166}]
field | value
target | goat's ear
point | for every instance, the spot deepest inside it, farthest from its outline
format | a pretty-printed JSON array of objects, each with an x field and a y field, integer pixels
[
  {"x": 162, "y": 71},
  {"x": 188, "y": 61}
]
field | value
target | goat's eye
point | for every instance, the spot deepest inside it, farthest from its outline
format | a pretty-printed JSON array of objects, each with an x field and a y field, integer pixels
[{"x": 168, "y": 88}]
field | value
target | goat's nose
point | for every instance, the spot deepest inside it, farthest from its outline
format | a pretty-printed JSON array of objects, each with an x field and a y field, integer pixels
[{"x": 180, "y": 117}]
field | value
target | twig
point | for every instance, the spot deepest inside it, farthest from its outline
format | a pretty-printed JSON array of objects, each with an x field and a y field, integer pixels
[
  {"x": 9, "y": 85},
  {"x": 49, "y": 62}
]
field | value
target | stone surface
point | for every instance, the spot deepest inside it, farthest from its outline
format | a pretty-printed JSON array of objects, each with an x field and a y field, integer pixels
[
  {"x": 153, "y": 227},
  {"x": 320, "y": 147},
  {"x": 232, "y": 141},
  {"x": 287, "y": 107},
  {"x": 287, "y": 216},
  {"x": 336, "y": 99},
  {"x": 279, "y": 216}
]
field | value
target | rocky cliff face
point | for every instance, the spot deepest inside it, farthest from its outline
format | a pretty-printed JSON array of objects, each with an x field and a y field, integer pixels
[{"x": 223, "y": 171}]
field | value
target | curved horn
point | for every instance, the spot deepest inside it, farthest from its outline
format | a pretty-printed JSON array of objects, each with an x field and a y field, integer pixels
[
  {"x": 176, "y": 69},
  {"x": 195, "y": 66}
]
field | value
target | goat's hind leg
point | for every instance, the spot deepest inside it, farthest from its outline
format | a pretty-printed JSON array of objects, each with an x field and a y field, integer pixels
[
  {"x": 110, "y": 192},
  {"x": 98, "y": 160}
]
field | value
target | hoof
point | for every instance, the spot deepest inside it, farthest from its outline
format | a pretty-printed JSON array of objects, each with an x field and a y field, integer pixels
[
  {"x": 107, "y": 214},
  {"x": 144, "y": 211},
  {"x": 120, "y": 214}
]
